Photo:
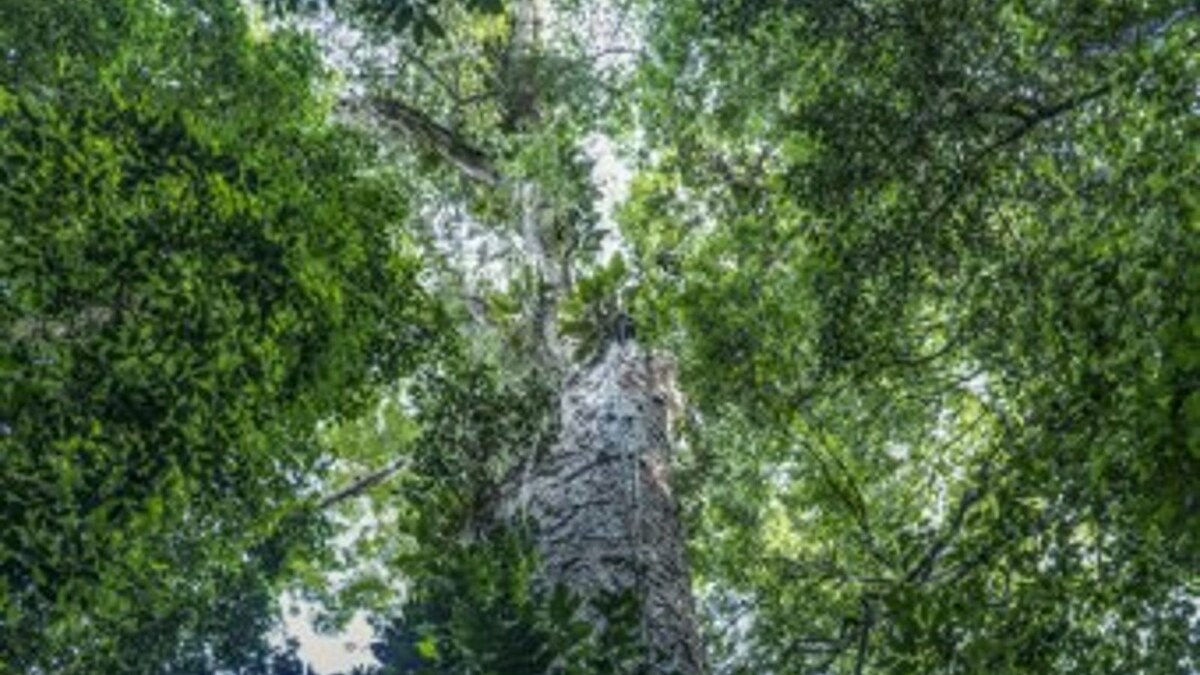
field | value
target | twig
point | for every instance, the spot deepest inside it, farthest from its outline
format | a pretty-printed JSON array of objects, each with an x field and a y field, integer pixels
[{"x": 864, "y": 636}]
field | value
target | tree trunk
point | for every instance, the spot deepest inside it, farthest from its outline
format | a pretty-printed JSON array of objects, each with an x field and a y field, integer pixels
[
  {"x": 601, "y": 507},
  {"x": 600, "y": 503}
]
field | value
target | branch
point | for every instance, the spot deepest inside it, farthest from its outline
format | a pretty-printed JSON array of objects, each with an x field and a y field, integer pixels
[
  {"x": 864, "y": 636},
  {"x": 831, "y": 647},
  {"x": 1029, "y": 119},
  {"x": 470, "y": 160},
  {"x": 1039, "y": 114},
  {"x": 921, "y": 572},
  {"x": 432, "y": 74},
  {"x": 989, "y": 553},
  {"x": 363, "y": 484},
  {"x": 1152, "y": 28}
]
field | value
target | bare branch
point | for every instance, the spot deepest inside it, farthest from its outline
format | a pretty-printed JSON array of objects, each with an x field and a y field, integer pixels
[{"x": 362, "y": 484}]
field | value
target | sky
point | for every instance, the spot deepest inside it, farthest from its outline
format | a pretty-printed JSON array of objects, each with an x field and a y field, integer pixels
[{"x": 327, "y": 653}]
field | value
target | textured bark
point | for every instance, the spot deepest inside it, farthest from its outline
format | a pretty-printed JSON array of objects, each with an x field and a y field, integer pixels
[{"x": 601, "y": 506}]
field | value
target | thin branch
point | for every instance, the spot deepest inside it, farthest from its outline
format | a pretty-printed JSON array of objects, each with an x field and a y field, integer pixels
[
  {"x": 921, "y": 571},
  {"x": 1153, "y": 28},
  {"x": 362, "y": 484},
  {"x": 989, "y": 553},
  {"x": 864, "y": 636},
  {"x": 1029, "y": 121},
  {"x": 831, "y": 647},
  {"x": 415, "y": 59},
  {"x": 476, "y": 98}
]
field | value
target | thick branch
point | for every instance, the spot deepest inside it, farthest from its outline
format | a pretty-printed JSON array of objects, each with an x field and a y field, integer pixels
[{"x": 470, "y": 160}]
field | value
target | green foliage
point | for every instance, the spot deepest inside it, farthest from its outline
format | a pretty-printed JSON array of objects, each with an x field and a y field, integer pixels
[
  {"x": 479, "y": 424},
  {"x": 231, "y": 635},
  {"x": 589, "y": 313},
  {"x": 193, "y": 276},
  {"x": 480, "y": 613},
  {"x": 929, "y": 268},
  {"x": 418, "y": 19},
  {"x": 473, "y": 604}
]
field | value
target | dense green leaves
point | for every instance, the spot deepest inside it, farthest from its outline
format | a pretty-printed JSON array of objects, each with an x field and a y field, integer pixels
[
  {"x": 482, "y": 612},
  {"x": 193, "y": 276},
  {"x": 418, "y": 19},
  {"x": 940, "y": 254},
  {"x": 931, "y": 269}
]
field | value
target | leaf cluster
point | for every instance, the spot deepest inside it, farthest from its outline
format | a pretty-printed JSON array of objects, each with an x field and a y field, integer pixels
[
  {"x": 195, "y": 272},
  {"x": 482, "y": 612}
]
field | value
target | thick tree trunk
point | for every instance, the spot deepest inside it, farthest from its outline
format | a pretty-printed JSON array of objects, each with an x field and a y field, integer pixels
[{"x": 601, "y": 506}]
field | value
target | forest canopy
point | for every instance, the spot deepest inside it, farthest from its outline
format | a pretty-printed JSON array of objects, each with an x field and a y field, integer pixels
[{"x": 317, "y": 300}]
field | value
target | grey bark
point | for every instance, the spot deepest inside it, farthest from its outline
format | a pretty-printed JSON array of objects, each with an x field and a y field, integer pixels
[
  {"x": 601, "y": 508},
  {"x": 600, "y": 504}
]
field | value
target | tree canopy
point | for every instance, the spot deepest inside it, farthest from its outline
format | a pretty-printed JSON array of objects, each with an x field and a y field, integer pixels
[
  {"x": 944, "y": 256},
  {"x": 195, "y": 272},
  {"x": 930, "y": 271}
]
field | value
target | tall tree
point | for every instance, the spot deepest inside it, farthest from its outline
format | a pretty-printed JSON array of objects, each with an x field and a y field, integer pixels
[
  {"x": 927, "y": 269},
  {"x": 506, "y": 118}
]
